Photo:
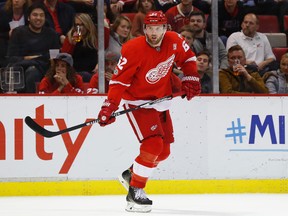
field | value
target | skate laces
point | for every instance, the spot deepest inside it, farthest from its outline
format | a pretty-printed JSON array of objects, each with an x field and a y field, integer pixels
[{"x": 140, "y": 193}]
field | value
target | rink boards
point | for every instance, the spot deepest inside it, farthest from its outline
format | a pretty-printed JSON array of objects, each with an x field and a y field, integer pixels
[{"x": 223, "y": 144}]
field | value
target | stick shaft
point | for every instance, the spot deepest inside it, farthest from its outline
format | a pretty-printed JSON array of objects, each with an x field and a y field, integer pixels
[{"x": 46, "y": 133}]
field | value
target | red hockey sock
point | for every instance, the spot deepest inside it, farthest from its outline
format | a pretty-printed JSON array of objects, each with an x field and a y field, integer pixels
[{"x": 145, "y": 162}]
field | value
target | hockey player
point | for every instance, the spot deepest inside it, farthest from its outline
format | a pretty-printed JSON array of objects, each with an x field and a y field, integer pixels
[{"x": 143, "y": 74}]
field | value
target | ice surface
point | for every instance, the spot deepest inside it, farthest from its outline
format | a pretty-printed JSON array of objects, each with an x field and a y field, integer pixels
[{"x": 168, "y": 205}]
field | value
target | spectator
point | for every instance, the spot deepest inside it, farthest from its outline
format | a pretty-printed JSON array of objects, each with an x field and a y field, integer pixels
[
  {"x": 179, "y": 15},
  {"x": 84, "y": 49},
  {"x": 61, "y": 77},
  {"x": 111, "y": 60},
  {"x": 256, "y": 46},
  {"x": 82, "y": 6},
  {"x": 120, "y": 33},
  {"x": 123, "y": 6},
  {"x": 29, "y": 46},
  {"x": 203, "y": 67},
  {"x": 283, "y": 10},
  {"x": 267, "y": 7},
  {"x": 144, "y": 6},
  {"x": 117, "y": 7},
  {"x": 12, "y": 14},
  {"x": 276, "y": 81},
  {"x": 203, "y": 5},
  {"x": 203, "y": 39},
  {"x": 59, "y": 16},
  {"x": 188, "y": 34},
  {"x": 107, "y": 13},
  {"x": 238, "y": 78},
  {"x": 111, "y": 13},
  {"x": 164, "y": 5},
  {"x": 204, "y": 70},
  {"x": 230, "y": 17}
]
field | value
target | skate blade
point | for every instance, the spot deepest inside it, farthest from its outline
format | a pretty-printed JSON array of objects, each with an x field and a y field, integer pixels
[
  {"x": 133, "y": 207},
  {"x": 123, "y": 182}
]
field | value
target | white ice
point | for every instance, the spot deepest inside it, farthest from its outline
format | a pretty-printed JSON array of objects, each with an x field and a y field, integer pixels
[{"x": 168, "y": 205}]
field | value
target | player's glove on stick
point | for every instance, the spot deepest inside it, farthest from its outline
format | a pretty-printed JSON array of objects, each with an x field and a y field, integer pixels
[
  {"x": 107, "y": 109},
  {"x": 191, "y": 86}
]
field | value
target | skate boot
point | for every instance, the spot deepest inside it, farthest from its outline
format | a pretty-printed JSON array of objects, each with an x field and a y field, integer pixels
[
  {"x": 125, "y": 178},
  {"x": 137, "y": 200}
]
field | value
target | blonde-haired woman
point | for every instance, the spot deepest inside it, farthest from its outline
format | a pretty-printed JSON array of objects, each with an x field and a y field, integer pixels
[
  {"x": 277, "y": 81},
  {"x": 120, "y": 32},
  {"x": 81, "y": 43}
]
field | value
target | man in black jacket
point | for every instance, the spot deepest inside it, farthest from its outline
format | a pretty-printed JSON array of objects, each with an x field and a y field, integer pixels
[{"x": 29, "y": 46}]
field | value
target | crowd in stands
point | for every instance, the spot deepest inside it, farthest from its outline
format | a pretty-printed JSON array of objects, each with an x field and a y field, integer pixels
[{"x": 247, "y": 61}]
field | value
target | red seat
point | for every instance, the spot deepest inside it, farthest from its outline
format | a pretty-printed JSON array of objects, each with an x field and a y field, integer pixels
[
  {"x": 285, "y": 22},
  {"x": 279, "y": 52},
  {"x": 268, "y": 24},
  {"x": 129, "y": 15}
]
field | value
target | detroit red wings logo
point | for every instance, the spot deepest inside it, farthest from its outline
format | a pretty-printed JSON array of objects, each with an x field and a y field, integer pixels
[{"x": 161, "y": 70}]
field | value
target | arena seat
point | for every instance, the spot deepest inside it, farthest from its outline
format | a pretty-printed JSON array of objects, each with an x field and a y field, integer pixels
[
  {"x": 268, "y": 24},
  {"x": 277, "y": 39},
  {"x": 285, "y": 23},
  {"x": 279, "y": 51}
]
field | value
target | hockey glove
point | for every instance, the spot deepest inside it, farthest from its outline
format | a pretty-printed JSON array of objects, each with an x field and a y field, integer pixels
[
  {"x": 107, "y": 109},
  {"x": 191, "y": 86}
]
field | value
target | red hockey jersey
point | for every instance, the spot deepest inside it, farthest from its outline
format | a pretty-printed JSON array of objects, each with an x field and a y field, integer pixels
[
  {"x": 176, "y": 19},
  {"x": 144, "y": 73}
]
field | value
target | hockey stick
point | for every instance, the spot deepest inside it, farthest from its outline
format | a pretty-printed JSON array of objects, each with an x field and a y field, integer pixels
[{"x": 46, "y": 133}]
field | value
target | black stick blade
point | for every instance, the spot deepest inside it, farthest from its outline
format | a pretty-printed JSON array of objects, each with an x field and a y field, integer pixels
[{"x": 38, "y": 129}]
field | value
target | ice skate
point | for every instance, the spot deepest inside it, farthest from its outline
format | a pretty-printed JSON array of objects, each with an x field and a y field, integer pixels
[
  {"x": 125, "y": 178},
  {"x": 137, "y": 200}
]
